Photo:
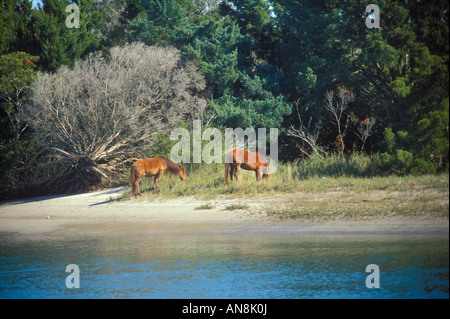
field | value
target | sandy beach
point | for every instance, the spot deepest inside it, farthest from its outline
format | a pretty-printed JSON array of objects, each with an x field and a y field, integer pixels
[{"x": 100, "y": 212}]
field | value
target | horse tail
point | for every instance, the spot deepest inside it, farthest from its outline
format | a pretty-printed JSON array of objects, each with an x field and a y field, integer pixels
[{"x": 227, "y": 172}]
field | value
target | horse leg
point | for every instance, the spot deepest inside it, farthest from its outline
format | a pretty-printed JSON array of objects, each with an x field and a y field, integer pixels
[
  {"x": 258, "y": 173},
  {"x": 160, "y": 174},
  {"x": 227, "y": 171},
  {"x": 136, "y": 185},
  {"x": 232, "y": 171},
  {"x": 133, "y": 181},
  {"x": 133, "y": 186},
  {"x": 157, "y": 180},
  {"x": 236, "y": 171}
]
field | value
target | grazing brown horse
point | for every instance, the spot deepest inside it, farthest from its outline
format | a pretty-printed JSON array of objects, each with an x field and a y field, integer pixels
[
  {"x": 251, "y": 161},
  {"x": 155, "y": 166}
]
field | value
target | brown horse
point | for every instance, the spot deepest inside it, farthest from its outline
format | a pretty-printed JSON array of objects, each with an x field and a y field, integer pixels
[
  {"x": 251, "y": 161},
  {"x": 155, "y": 166}
]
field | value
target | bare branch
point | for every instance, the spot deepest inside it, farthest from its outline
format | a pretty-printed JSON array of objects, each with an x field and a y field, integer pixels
[
  {"x": 364, "y": 130},
  {"x": 307, "y": 134},
  {"x": 109, "y": 107},
  {"x": 337, "y": 107}
]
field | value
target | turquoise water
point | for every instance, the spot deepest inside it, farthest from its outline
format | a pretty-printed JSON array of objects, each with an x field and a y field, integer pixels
[{"x": 226, "y": 266}]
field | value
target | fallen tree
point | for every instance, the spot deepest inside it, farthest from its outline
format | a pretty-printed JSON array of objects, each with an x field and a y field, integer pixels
[{"x": 90, "y": 120}]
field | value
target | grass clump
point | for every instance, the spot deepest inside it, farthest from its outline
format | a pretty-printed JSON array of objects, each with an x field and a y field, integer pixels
[
  {"x": 205, "y": 206},
  {"x": 236, "y": 206}
]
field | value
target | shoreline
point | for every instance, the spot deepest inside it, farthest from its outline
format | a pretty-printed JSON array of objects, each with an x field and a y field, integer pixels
[{"x": 100, "y": 214}]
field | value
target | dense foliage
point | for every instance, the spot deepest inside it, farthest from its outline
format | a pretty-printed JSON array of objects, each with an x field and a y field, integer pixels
[{"x": 311, "y": 68}]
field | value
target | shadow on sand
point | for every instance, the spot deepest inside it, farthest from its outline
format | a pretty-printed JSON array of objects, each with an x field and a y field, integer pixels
[{"x": 94, "y": 194}]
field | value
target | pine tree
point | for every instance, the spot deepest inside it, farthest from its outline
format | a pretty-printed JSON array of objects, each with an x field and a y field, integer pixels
[
  {"x": 214, "y": 47},
  {"x": 238, "y": 96},
  {"x": 159, "y": 22},
  {"x": 58, "y": 44},
  {"x": 16, "y": 26}
]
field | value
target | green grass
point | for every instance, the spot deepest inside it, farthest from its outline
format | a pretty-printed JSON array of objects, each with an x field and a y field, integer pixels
[
  {"x": 313, "y": 196},
  {"x": 206, "y": 181},
  {"x": 354, "y": 205}
]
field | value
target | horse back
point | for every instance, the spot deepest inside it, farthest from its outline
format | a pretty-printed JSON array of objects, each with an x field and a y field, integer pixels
[
  {"x": 245, "y": 157},
  {"x": 149, "y": 166}
]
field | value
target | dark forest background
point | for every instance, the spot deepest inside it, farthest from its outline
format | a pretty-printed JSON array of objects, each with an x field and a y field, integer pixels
[{"x": 311, "y": 68}]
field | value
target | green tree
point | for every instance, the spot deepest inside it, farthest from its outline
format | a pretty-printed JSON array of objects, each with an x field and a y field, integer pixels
[
  {"x": 258, "y": 26},
  {"x": 238, "y": 93},
  {"x": 16, "y": 26},
  {"x": 159, "y": 22},
  {"x": 398, "y": 73},
  {"x": 59, "y": 45},
  {"x": 214, "y": 46},
  {"x": 17, "y": 71},
  {"x": 238, "y": 96},
  {"x": 253, "y": 107}
]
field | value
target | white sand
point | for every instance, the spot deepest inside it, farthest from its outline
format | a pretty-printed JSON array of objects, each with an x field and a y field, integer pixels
[{"x": 98, "y": 213}]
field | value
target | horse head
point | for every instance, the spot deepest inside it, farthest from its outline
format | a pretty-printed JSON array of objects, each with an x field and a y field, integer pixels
[{"x": 182, "y": 173}]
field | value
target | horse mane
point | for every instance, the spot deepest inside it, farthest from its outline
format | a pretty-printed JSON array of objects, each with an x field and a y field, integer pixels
[{"x": 171, "y": 166}]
